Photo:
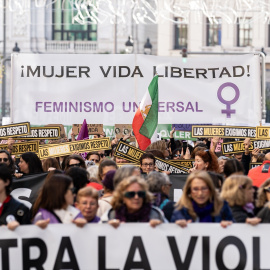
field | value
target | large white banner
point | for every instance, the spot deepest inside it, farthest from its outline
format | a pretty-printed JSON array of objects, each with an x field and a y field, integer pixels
[
  {"x": 106, "y": 89},
  {"x": 135, "y": 246}
]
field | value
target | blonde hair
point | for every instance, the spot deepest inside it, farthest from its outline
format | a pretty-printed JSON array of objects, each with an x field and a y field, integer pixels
[
  {"x": 233, "y": 189},
  {"x": 118, "y": 195},
  {"x": 261, "y": 198},
  {"x": 186, "y": 201},
  {"x": 87, "y": 192},
  {"x": 158, "y": 145}
]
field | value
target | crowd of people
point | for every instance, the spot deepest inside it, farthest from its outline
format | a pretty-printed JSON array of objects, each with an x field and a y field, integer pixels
[{"x": 104, "y": 188}]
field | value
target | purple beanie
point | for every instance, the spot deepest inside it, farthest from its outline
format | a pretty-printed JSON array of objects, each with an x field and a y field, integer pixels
[{"x": 108, "y": 180}]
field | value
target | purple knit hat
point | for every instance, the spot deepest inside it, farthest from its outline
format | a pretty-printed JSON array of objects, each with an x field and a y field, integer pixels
[{"x": 108, "y": 180}]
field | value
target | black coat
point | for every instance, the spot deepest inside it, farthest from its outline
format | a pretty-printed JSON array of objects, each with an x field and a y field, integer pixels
[{"x": 14, "y": 210}]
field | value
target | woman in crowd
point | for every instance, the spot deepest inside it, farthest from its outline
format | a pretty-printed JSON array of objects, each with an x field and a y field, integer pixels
[
  {"x": 74, "y": 161},
  {"x": 159, "y": 185},
  {"x": 94, "y": 157},
  {"x": 176, "y": 154},
  {"x": 50, "y": 164},
  {"x": 105, "y": 201},
  {"x": 221, "y": 163},
  {"x": 105, "y": 166},
  {"x": 12, "y": 212},
  {"x": 87, "y": 203},
  {"x": 79, "y": 177},
  {"x": 124, "y": 172},
  {"x": 263, "y": 196},
  {"x": 6, "y": 158},
  {"x": 205, "y": 160},
  {"x": 54, "y": 203},
  {"x": 237, "y": 190},
  {"x": 30, "y": 163},
  {"x": 161, "y": 146},
  {"x": 233, "y": 166},
  {"x": 132, "y": 203},
  {"x": 200, "y": 202}
]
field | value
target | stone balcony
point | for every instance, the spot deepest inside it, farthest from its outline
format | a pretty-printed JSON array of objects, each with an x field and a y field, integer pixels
[{"x": 54, "y": 46}]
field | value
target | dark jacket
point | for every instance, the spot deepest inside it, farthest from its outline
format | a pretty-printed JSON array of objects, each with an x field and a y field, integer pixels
[
  {"x": 14, "y": 210},
  {"x": 225, "y": 214},
  {"x": 154, "y": 214},
  {"x": 264, "y": 214},
  {"x": 240, "y": 214}
]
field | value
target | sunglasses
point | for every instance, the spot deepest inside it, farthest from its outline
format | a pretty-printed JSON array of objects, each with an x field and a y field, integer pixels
[
  {"x": 267, "y": 189},
  {"x": 73, "y": 190},
  {"x": 74, "y": 165},
  {"x": 132, "y": 194},
  {"x": 177, "y": 155},
  {"x": 3, "y": 159}
]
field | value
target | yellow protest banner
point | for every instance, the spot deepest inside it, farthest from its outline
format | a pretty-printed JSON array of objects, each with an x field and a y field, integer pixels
[
  {"x": 14, "y": 130},
  {"x": 133, "y": 154},
  {"x": 42, "y": 133},
  {"x": 63, "y": 149},
  {"x": 262, "y": 132},
  {"x": 20, "y": 148},
  {"x": 201, "y": 131}
]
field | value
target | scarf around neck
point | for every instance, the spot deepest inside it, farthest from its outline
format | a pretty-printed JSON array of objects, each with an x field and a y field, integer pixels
[
  {"x": 143, "y": 215},
  {"x": 204, "y": 213}
]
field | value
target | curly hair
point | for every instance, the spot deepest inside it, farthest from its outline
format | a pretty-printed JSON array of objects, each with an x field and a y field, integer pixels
[
  {"x": 118, "y": 195},
  {"x": 211, "y": 158},
  {"x": 186, "y": 201}
]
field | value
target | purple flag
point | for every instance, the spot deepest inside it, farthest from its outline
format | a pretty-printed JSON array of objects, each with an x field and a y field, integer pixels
[{"x": 83, "y": 134}]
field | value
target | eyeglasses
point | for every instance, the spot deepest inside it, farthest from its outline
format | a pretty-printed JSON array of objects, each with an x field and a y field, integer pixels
[
  {"x": 132, "y": 194},
  {"x": 175, "y": 155},
  {"x": 203, "y": 190},
  {"x": 147, "y": 164},
  {"x": 73, "y": 190},
  {"x": 3, "y": 159},
  {"x": 74, "y": 165},
  {"x": 90, "y": 204},
  {"x": 267, "y": 189}
]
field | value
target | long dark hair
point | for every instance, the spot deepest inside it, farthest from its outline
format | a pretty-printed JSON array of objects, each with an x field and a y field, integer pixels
[
  {"x": 52, "y": 194},
  {"x": 33, "y": 161}
]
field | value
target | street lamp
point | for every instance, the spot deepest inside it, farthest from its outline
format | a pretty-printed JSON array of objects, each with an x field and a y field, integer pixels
[
  {"x": 147, "y": 47},
  {"x": 16, "y": 48},
  {"x": 129, "y": 45}
]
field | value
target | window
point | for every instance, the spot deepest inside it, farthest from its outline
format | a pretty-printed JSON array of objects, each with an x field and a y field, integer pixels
[
  {"x": 244, "y": 32},
  {"x": 64, "y": 29},
  {"x": 213, "y": 32},
  {"x": 181, "y": 34}
]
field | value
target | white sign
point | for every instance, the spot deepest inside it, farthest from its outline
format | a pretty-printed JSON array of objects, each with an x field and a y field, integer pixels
[
  {"x": 108, "y": 88},
  {"x": 135, "y": 246}
]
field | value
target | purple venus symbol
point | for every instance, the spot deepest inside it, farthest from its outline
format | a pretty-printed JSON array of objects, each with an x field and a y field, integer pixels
[{"x": 228, "y": 103}]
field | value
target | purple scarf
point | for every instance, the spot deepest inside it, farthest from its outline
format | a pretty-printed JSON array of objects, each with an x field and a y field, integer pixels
[
  {"x": 140, "y": 216},
  {"x": 204, "y": 213}
]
